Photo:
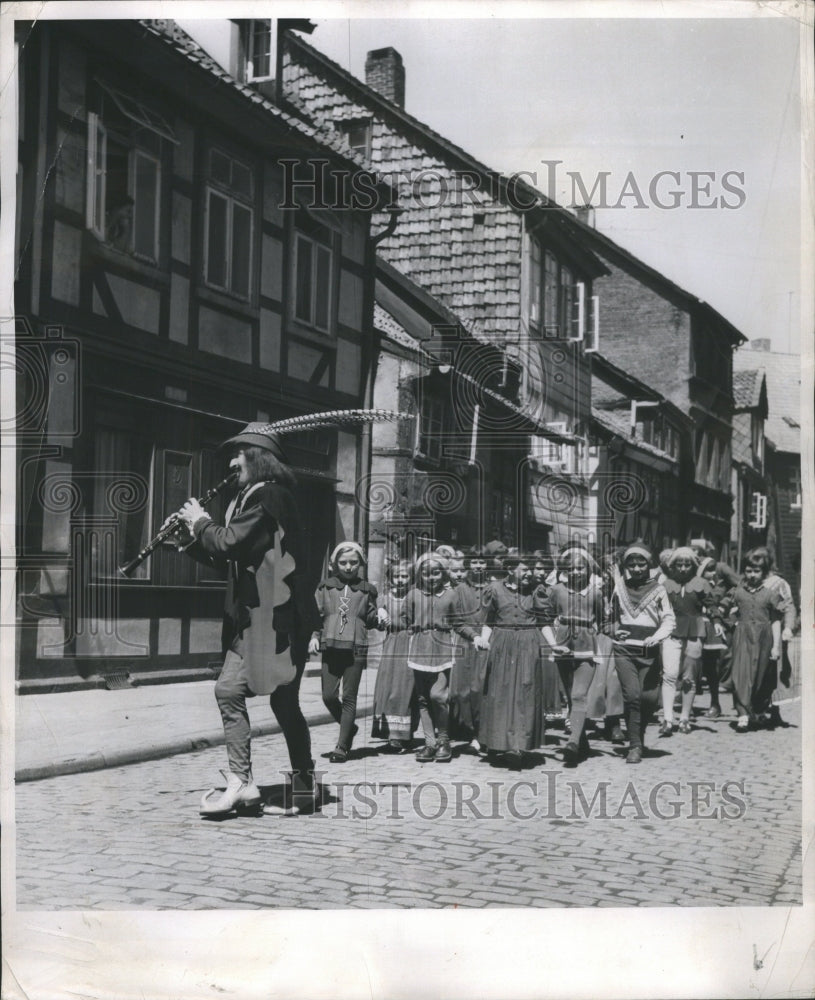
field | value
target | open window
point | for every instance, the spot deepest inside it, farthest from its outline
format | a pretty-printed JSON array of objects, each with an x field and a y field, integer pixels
[
  {"x": 259, "y": 47},
  {"x": 558, "y": 304},
  {"x": 126, "y": 140}
]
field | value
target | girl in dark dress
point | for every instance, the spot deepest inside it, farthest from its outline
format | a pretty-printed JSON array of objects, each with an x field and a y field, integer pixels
[
  {"x": 757, "y": 609},
  {"x": 512, "y": 718}
]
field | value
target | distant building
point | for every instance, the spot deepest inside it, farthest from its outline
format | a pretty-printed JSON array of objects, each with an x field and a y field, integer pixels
[
  {"x": 682, "y": 348},
  {"x": 639, "y": 439},
  {"x": 507, "y": 263},
  {"x": 783, "y": 452},
  {"x": 752, "y": 504}
]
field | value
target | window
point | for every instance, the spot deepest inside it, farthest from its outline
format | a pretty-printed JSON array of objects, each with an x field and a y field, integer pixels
[
  {"x": 260, "y": 49},
  {"x": 795, "y": 488},
  {"x": 429, "y": 428},
  {"x": 558, "y": 303},
  {"x": 357, "y": 133},
  {"x": 758, "y": 511},
  {"x": 229, "y": 225},
  {"x": 119, "y": 456},
  {"x": 123, "y": 198},
  {"x": 313, "y": 269},
  {"x": 757, "y": 438}
]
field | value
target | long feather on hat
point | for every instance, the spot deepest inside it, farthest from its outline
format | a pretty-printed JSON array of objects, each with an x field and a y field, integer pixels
[{"x": 331, "y": 418}]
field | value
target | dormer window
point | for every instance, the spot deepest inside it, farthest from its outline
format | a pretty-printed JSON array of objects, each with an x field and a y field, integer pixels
[
  {"x": 357, "y": 134},
  {"x": 557, "y": 301},
  {"x": 259, "y": 48}
]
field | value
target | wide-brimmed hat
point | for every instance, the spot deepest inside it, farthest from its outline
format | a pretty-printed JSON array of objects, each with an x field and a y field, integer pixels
[{"x": 260, "y": 436}]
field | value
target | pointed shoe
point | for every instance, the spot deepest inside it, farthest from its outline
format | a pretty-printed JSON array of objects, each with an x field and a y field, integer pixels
[{"x": 238, "y": 794}]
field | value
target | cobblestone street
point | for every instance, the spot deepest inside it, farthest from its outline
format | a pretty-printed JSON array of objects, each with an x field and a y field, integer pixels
[{"x": 708, "y": 819}]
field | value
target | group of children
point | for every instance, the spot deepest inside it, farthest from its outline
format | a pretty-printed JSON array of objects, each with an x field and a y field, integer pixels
[{"x": 485, "y": 647}]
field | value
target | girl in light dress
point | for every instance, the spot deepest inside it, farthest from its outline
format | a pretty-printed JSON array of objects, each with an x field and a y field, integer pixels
[{"x": 395, "y": 711}]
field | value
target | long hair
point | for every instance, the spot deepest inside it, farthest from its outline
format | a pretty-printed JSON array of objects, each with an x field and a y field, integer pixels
[{"x": 262, "y": 466}]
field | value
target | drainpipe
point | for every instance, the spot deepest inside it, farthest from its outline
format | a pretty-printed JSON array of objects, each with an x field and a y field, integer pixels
[{"x": 366, "y": 435}]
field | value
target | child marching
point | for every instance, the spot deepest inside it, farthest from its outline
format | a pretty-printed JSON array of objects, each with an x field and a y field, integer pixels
[
  {"x": 512, "y": 718},
  {"x": 577, "y": 610},
  {"x": 758, "y": 609},
  {"x": 693, "y": 603},
  {"x": 429, "y": 613},
  {"x": 469, "y": 577},
  {"x": 347, "y": 604},
  {"x": 640, "y": 618},
  {"x": 394, "y": 713}
]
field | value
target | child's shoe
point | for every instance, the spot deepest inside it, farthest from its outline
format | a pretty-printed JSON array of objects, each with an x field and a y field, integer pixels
[
  {"x": 634, "y": 756},
  {"x": 742, "y": 724},
  {"x": 665, "y": 729},
  {"x": 684, "y": 726},
  {"x": 443, "y": 752},
  {"x": 426, "y": 754}
]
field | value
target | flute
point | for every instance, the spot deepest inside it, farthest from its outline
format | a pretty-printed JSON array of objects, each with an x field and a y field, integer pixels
[{"x": 172, "y": 525}]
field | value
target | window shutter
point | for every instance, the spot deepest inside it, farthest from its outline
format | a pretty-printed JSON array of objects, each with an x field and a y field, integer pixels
[
  {"x": 577, "y": 324},
  {"x": 592, "y": 338},
  {"x": 96, "y": 176}
]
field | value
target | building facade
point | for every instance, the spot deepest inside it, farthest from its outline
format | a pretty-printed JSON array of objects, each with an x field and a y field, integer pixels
[
  {"x": 683, "y": 349},
  {"x": 166, "y": 298},
  {"x": 782, "y": 462},
  {"x": 498, "y": 256}
]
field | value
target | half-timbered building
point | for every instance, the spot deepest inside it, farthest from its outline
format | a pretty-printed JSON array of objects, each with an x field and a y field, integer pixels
[{"x": 166, "y": 296}]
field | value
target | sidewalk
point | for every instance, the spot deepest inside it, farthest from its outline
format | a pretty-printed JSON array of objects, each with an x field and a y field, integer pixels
[{"x": 55, "y": 731}]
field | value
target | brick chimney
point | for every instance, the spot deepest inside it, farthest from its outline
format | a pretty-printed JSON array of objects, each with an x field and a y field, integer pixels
[
  {"x": 385, "y": 74},
  {"x": 760, "y": 344}
]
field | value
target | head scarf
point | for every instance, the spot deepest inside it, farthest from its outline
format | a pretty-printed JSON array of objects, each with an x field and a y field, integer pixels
[
  {"x": 635, "y": 549},
  {"x": 572, "y": 551},
  {"x": 431, "y": 557},
  {"x": 683, "y": 552},
  {"x": 347, "y": 547}
]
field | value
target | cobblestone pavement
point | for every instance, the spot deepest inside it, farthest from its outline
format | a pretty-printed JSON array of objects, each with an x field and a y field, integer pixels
[{"x": 722, "y": 829}]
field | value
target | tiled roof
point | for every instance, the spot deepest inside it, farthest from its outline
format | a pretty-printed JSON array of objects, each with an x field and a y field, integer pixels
[
  {"x": 462, "y": 246},
  {"x": 747, "y": 388},
  {"x": 783, "y": 374},
  {"x": 170, "y": 32},
  {"x": 384, "y": 322},
  {"x": 588, "y": 237},
  {"x": 618, "y": 423}
]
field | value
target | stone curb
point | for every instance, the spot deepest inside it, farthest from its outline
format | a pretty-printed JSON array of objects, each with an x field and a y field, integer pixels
[{"x": 99, "y": 761}]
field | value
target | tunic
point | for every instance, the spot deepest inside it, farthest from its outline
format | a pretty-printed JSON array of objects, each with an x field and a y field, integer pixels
[
  {"x": 752, "y": 641},
  {"x": 512, "y": 716},
  {"x": 394, "y": 710},
  {"x": 269, "y": 612},
  {"x": 467, "y": 677},
  {"x": 430, "y": 617}
]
